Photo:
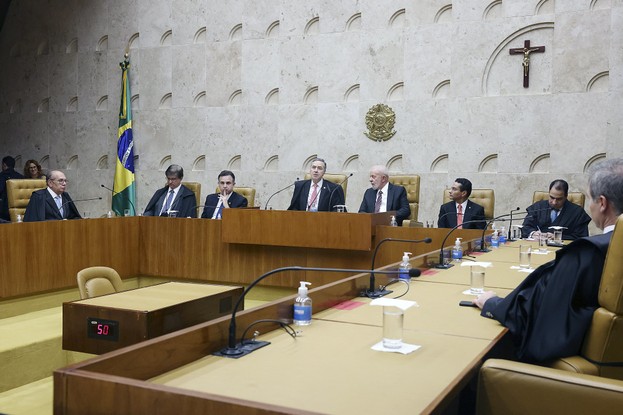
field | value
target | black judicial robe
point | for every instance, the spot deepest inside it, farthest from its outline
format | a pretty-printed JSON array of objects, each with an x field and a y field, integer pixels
[
  {"x": 572, "y": 217},
  {"x": 549, "y": 313}
]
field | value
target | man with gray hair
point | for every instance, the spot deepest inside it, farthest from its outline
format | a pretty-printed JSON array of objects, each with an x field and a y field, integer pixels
[
  {"x": 52, "y": 203},
  {"x": 549, "y": 313},
  {"x": 174, "y": 199},
  {"x": 384, "y": 196},
  {"x": 316, "y": 194}
]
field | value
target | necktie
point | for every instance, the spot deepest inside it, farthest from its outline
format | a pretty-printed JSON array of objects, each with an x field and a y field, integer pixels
[
  {"x": 219, "y": 212},
  {"x": 553, "y": 215},
  {"x": 379, "y": 201},
  {"x": 459, "y": 216},
  {"x": 167, "y": 203},
  {"x": 314, "y": 196},
  {"x": 59, "y": 204}
]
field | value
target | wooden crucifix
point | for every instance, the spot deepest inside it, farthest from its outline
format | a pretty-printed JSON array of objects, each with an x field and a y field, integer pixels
[{"x": 526, "y": 51}]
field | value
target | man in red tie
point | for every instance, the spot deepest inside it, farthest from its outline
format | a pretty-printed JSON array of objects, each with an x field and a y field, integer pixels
[
  {"x": 316, "y": 193},
  {"x": 461, "y": 210}
]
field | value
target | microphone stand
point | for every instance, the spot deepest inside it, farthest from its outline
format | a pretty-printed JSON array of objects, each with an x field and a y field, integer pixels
[
  {"x": 338, "y": 185},
  {"x": 510, "y": 225},
  {"x": 79, "y": 200},
  {"x": 234, "y": 350},
  {"x": 279, "y": 191},
  {"x": 373, "y": 292},
  {"x": 124, "y": 196}
]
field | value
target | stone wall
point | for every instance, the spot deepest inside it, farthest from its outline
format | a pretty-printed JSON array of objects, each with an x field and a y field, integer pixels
[{"x": 262, "y": 86}]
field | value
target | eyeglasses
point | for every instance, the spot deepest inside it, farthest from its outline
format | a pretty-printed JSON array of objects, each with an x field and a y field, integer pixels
[{"x": 61, "y": 181}]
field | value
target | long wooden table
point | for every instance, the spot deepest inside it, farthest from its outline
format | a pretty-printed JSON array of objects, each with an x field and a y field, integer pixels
[
  {"x": 339, "y": 372},
  {"x": 45, "y": 256}
]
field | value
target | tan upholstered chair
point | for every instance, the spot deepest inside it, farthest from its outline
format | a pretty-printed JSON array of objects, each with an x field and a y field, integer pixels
[
  {"x": 484, "y": 197},
  {"x": 574, "y": 197},
  {"x": 196, "y": 188},
  {"x": 411, "y": 183},
  {"x": 18, "y": 194},
  {"x": 96, "y": 281},
  {"x": 513, "y": 388},
  {"x": 334, "y": 178},
  {"x": 604, "y": 340},
  {"x": 247, "y": 192}
]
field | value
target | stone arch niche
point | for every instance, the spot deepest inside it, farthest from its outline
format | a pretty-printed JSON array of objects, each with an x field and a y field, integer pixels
[
  {"x": 273, "y": 30},
  {"x": 599, "y": 82},
  {"x": 394, "y": 164},
  {"x": 398, "y": 19},
  {"x": 308, "y": 161},
  {"x": 540, "y": 164},
  {"x": 351, "y": 164},
  {"x": 72, "y": 163},
  {"x": 102, "y": 163},
  {"x": 312, "y": 27},
  {"x": 396, "y": 92},
  {"x": 594, "y": 160},
  {"x": 444, "y": 14},
  {"x": 272, "y": 164},
  {"x": 164, "y": 163},
  {"x": 493, "y": 10},
  {"x": 440, "y": 164},
  {"x": 200, "y": 36},
  {"x": 200, "y": 99},
  {"x": 311, "y": 96},
  {"x": 489, "y": 164},
  {"x": 166, "y": 101},
  {"x": 236, "y": 33},
  {"x": 200, "y": 163},
  {"x": 165, "y": 39},
  {"x": 354, "y": 23},
  {"x": 235, "y": 163},
  {"x": 503, "y": 73},
  {"x": 442, "y": 90},
  {"x": 272, "y": 98},
  {"x": 352, "y": 94}
]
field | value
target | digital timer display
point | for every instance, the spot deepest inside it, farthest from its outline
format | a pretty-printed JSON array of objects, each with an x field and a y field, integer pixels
[{"x": 102, "y": 329}]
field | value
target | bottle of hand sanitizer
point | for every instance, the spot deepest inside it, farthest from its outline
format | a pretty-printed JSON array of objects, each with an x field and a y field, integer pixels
[
  {"x": 457, "y": 251},
  {"x": 404, "y": 268},
  {"x": 303, "y": 306}
]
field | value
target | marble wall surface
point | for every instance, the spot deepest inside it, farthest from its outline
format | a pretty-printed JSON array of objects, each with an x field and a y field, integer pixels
[{"x": 262, "y": 86}]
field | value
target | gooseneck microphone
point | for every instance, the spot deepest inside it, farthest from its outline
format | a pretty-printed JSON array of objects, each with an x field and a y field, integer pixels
[
  {"x": 447, "y": 214},
  {"x": 372, "y": 292},
  {"x": 279, "y": 191},
  {"x": 235, "y": 351},
  {"x": 124, "y": 196},
  {"x": 78, "y": 200},
  {"x": 335, "y": 188}
]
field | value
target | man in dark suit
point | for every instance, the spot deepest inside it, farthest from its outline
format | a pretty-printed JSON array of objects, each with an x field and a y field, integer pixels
[
  {"x": 461, "y": 207},
  {"x": 226, "y": 198},
  {"x": 174, "y": 199},
  {"x": 52, "y": 203},
  {"x": 384, "y": 196},
  {"x": 557, "y": 211},
  {"x": 317, "y": 194},
  {"x": 8, "y": 172}
]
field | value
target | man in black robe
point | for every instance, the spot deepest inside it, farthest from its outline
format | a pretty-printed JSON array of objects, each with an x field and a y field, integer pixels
[
  {"x": 556, "y": 211},
  {"x": 549, "y": 313}
]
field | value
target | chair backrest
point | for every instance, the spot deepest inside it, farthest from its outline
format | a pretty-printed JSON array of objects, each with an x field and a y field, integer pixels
[
  {"x": 96, "y": 281},
  {"x": 247, "y": 192},
  {"x": 574, "y": 197},
  {"x": 604, "y": 340},
  {"x": 411, "y": 183},
  {"x": 196, "y": 188},
  {"x": 334, "y": 178},
  {"x": 484, "y": 197},
  {"x": 19, "y": 192}
]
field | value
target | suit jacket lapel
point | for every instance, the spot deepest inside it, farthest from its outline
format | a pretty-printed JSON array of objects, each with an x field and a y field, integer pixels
[
  {"x": 305, "y": 193},
  {"x": 50, "y": 201}
]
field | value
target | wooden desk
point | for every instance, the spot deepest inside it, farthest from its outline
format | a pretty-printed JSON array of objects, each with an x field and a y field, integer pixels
[
  {"x": 331, "y": 369},
  {"x": 143, "y": 314}
]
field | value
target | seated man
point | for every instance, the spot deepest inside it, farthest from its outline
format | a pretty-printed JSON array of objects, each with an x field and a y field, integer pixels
[
  {"x": 384, "y": 196},
  {"x": 557, "y": 211},
  {"x": 227, "y": 198},
  {"x": 549, "y": 313},
  {"x": 52, "y": 203},
  {"x": 461, "y": 210},
  {"x": 317, "y": 194},
  {"x": 174, "y": 197}
]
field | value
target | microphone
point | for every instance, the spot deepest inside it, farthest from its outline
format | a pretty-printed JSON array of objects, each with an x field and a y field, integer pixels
[
  {"x": 79, "y": 200},
  {"x": 372, "y": 292},
  {"x": 279, "y": 191},
  {"x": 235, "y": 351},
  {"x": 483, "y": 247},
  {"x": 510, "y": 225},
  {"x": 444, "y": 215},
  {"x": 334, "y": 189},
  {"x": 124, "y": 196}
]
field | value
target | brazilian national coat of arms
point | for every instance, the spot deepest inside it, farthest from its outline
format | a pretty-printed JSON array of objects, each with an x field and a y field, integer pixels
[{"x": 380, "y": 121}]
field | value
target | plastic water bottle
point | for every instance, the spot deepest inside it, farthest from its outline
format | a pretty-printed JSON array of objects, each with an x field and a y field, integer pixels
[
  {"x": 392, "y": 221},
  {"x": 495, "y": 240},
  {"x": 457, "y": 251},
  {"x": 404, "y": 268},
  {"x": 303, "y": 306},
  {"x": 502, "y": 237}
]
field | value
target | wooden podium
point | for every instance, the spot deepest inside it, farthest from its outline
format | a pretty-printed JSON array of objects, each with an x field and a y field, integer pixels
[{"x": 330, "y": 230}]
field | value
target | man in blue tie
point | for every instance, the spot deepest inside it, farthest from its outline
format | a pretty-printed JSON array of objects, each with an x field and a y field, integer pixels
[
  {"x": 226, "y": 198},
  {"x": 52, "y": 203},
  {"x": 174, "y": 199},
  {"x": 556, "y": 211}
]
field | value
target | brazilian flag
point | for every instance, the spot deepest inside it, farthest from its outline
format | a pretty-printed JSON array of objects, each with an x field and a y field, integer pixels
[{"x": 124, "y": 189}]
